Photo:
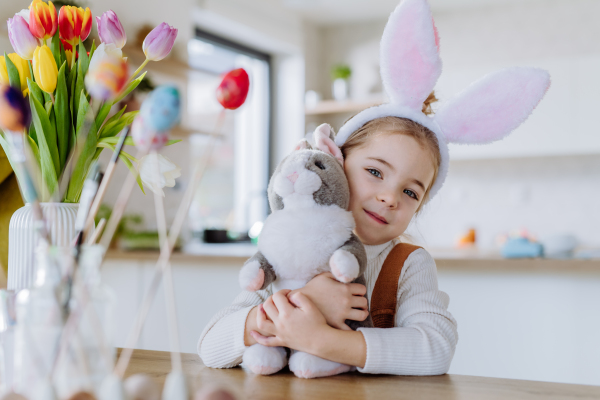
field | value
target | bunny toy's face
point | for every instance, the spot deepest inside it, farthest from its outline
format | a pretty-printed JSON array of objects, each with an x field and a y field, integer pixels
[
  {"x": 307, "y": 178},
  {"x": 387, "y": 177}
]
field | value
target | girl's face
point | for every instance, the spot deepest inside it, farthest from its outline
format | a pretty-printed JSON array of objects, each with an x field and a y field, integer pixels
[{"x": 388, "y": 177}]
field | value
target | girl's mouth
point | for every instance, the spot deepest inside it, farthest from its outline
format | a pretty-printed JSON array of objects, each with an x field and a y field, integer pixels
[{"x": 376, "y": 217}]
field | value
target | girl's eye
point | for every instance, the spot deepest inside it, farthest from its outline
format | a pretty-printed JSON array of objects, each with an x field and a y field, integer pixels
[
  {"x": 411, "y": 194},
  {"x": 319, "y": 164},
  {"x": 374, "y": 172}
]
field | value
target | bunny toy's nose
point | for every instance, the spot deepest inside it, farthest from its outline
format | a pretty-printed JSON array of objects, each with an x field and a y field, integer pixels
[{"x": 293, "y": 177}]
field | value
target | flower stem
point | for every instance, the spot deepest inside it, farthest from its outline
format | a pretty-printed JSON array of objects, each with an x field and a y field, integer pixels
[
  {"x": 51, "y": 97},
  {"x": 137, "y": 71},
  {"x": 72, "y": 57}
]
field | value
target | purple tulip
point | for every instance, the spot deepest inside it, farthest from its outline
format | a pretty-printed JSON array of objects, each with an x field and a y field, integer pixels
[
  {"x": 159, "y": 42},
  {"x": 110, "y": 29},
  {"x": 21, "y": 38}
]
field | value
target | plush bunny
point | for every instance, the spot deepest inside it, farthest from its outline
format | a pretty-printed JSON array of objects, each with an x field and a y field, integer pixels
[
  {"x": 308, "y": 232},
  {"x": 486, "y": 111}
]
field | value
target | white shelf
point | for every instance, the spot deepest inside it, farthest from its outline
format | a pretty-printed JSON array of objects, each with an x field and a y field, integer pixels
[{"x": 340, "y": 107}]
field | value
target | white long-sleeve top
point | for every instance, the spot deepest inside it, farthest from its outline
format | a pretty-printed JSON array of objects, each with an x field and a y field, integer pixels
[{"x": 422, "y": 341}]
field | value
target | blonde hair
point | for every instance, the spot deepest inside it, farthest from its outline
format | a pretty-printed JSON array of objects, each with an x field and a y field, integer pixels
[{"x": 403, "y": 126}]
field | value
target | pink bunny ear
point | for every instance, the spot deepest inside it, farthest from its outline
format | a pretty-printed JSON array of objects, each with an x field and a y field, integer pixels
[
  {"x": 492, "y": 107},
  {"x": 410, "y": 62},
  {"x": 326, "y": 144},
  {"x": 302, "y": 145}
]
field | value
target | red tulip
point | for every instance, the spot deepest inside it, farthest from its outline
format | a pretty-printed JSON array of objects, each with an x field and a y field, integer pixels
[
  {"x": 233, "y": 90},
  {"x": 74, "y": 24},
  {"x": 43, "y": 20}
]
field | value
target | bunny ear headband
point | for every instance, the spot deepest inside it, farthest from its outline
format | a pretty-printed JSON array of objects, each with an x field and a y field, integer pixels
[{"x": 486, "y": 111}]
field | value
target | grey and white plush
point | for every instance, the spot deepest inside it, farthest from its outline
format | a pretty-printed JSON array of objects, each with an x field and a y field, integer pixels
[{"x": 308, "y": 232}]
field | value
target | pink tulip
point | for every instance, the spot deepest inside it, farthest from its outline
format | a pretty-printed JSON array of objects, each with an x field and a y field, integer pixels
[
  {"x": 159, "y": 42},
  {"x": 110, "y": 29},
  {"x": 21, "y": 38}
]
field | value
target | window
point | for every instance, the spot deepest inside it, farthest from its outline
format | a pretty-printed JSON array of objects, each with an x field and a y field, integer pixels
[{"x": 233, "y": 192}]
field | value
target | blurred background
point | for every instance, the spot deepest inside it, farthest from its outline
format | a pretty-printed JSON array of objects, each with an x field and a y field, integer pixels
[{"x": 533, "y": 194}]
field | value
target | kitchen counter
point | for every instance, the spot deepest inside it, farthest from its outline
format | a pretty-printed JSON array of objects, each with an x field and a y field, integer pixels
[
  {"x": 468, "y": 260},
  {"x": 285, "y": 385}
]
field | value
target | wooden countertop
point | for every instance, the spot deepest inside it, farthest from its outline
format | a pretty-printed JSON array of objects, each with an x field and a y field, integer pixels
[
  {"x": 350, "y": 386},
  {"x": 445, "y": 260}
]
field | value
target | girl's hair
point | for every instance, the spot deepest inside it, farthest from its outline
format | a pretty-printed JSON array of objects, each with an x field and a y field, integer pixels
[{"x": 395, "y": 125}]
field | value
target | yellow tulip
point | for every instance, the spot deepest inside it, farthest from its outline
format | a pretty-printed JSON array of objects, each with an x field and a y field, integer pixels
[
  {"x": 44, "y": 69},
  {"x": 21, "y": 65},
  {"x": 69, "y": 56}
]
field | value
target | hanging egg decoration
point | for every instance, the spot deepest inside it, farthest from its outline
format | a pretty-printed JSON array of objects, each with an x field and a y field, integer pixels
[
  {"x": 82, "y": 396},
  {"x": 233, "y": 90},
  {"x": 159, "y": 113}
]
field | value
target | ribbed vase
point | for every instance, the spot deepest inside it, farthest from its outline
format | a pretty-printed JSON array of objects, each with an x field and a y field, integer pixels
[{"x": 22, "y": 239}]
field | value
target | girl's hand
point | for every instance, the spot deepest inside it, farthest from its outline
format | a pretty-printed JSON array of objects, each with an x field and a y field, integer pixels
[
  {"x": 337, "y": 301},
  {"x": 293, "y": 322},
  {"x": 252, "y": 326}
]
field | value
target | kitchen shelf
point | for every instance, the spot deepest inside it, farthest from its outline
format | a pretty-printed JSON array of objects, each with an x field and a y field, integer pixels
[{"x": 340, "y": 107}]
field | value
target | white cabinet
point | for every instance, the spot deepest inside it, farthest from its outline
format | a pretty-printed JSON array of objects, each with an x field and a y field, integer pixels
[{"x": 564, "y": 123}]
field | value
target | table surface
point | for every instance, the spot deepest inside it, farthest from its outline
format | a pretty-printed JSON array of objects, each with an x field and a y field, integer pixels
[{"x": 285, "y": 385}]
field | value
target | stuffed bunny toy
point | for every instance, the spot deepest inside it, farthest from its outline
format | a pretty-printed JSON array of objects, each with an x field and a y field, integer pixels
[{"x": 308, "y": 232}]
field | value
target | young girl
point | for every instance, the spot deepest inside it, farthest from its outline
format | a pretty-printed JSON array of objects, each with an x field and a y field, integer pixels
[{"x": 395, "y": 159}]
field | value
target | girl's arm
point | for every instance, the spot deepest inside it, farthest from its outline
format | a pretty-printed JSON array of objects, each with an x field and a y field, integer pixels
[
  {"x": 422, "y": 343},
  {"x": 222, "y": 343}
]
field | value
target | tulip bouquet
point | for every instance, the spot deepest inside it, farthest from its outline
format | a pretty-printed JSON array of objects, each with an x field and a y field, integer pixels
[{"x": 71, "y": 90}]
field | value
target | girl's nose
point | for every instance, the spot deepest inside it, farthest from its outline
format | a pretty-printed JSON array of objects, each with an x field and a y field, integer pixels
[
  {"x": 388, "y": 198},
  {"x": 293, "y": 177}
]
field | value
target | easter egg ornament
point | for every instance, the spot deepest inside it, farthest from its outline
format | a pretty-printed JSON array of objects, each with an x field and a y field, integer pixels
[
  {"x": 141, "y": 387},
  {"x": 82, "y": 396},
  {"x": 233, "y": 90},
  {"x": 162, "y": 108}
]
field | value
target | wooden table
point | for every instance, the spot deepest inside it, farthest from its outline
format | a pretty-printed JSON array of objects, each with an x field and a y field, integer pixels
[{"x": 285, "y": 385}]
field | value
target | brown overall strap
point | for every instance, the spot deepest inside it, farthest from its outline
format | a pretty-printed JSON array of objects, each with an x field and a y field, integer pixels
[{"x": 385, "y": 292}]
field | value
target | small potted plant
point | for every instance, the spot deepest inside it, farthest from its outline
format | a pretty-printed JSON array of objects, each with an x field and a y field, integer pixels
[{"x": 340, "y": 74}]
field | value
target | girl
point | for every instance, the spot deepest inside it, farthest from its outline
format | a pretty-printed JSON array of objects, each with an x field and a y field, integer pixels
[{"x": 395, "y": 159}]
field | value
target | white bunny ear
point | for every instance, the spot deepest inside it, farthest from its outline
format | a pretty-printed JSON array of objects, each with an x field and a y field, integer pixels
[
  {"x": 409, "y": 54},
  {"x": 302, "y": 145},
  {"x": 324, "y": 142},
  {"x": 493, "y": 106}
]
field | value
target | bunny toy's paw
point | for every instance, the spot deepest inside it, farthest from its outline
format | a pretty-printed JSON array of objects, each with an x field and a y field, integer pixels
[
  {"x": 305, "y": 365},
  {"x": 344, "y": 266},
  {"x": 263, "y": 360},
  {"x": 252, "y": 276}
]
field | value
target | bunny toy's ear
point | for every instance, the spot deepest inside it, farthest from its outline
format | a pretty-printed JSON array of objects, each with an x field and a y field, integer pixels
[
  {"x": 492, "y": 107},
  {"x": 409, "y": 54},
  {"x": 323, "y": 139},
  {"x": 302, "y": 145}
]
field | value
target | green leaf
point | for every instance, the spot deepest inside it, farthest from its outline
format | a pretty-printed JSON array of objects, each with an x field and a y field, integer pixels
[
  {"x": 55, "y": 49},
  {"x": 48, "y": 163},
  {"x": 93, "y": 48},
  {"x": 48, "y": 107},
  {"x": 86, "y": 132},
  {"x": 32, "y": 133},
  {"x": 63, "y": 55},
  {"x": 14, "y": 78},
  {"x": 35, "y": 91},
  {"x": 103, "y": 112},
  {"x": 63, "y": 116},
  {"x": 113, "y": 118},
  {"x": 47, "y": 97},
  {"x": 129, "y": 141},
  {"x": 82, "y": 67},
  {"x": 130, "y": 87},
  {"x": 117, "y": 126},
  {"x": 125, "y": 157}
]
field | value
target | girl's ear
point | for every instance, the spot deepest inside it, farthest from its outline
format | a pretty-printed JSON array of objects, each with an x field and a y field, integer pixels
[
  {"x": 323, "y": 140},
  {"x": 409, "y": 54},
  {"x": 490, "y": 108},
  {"x": 302, "y": 145}
]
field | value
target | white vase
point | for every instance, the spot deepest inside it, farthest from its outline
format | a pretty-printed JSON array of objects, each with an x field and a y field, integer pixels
[
  {"x": 340, "y": 89},
  {"x": 22, "y": 239}
]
